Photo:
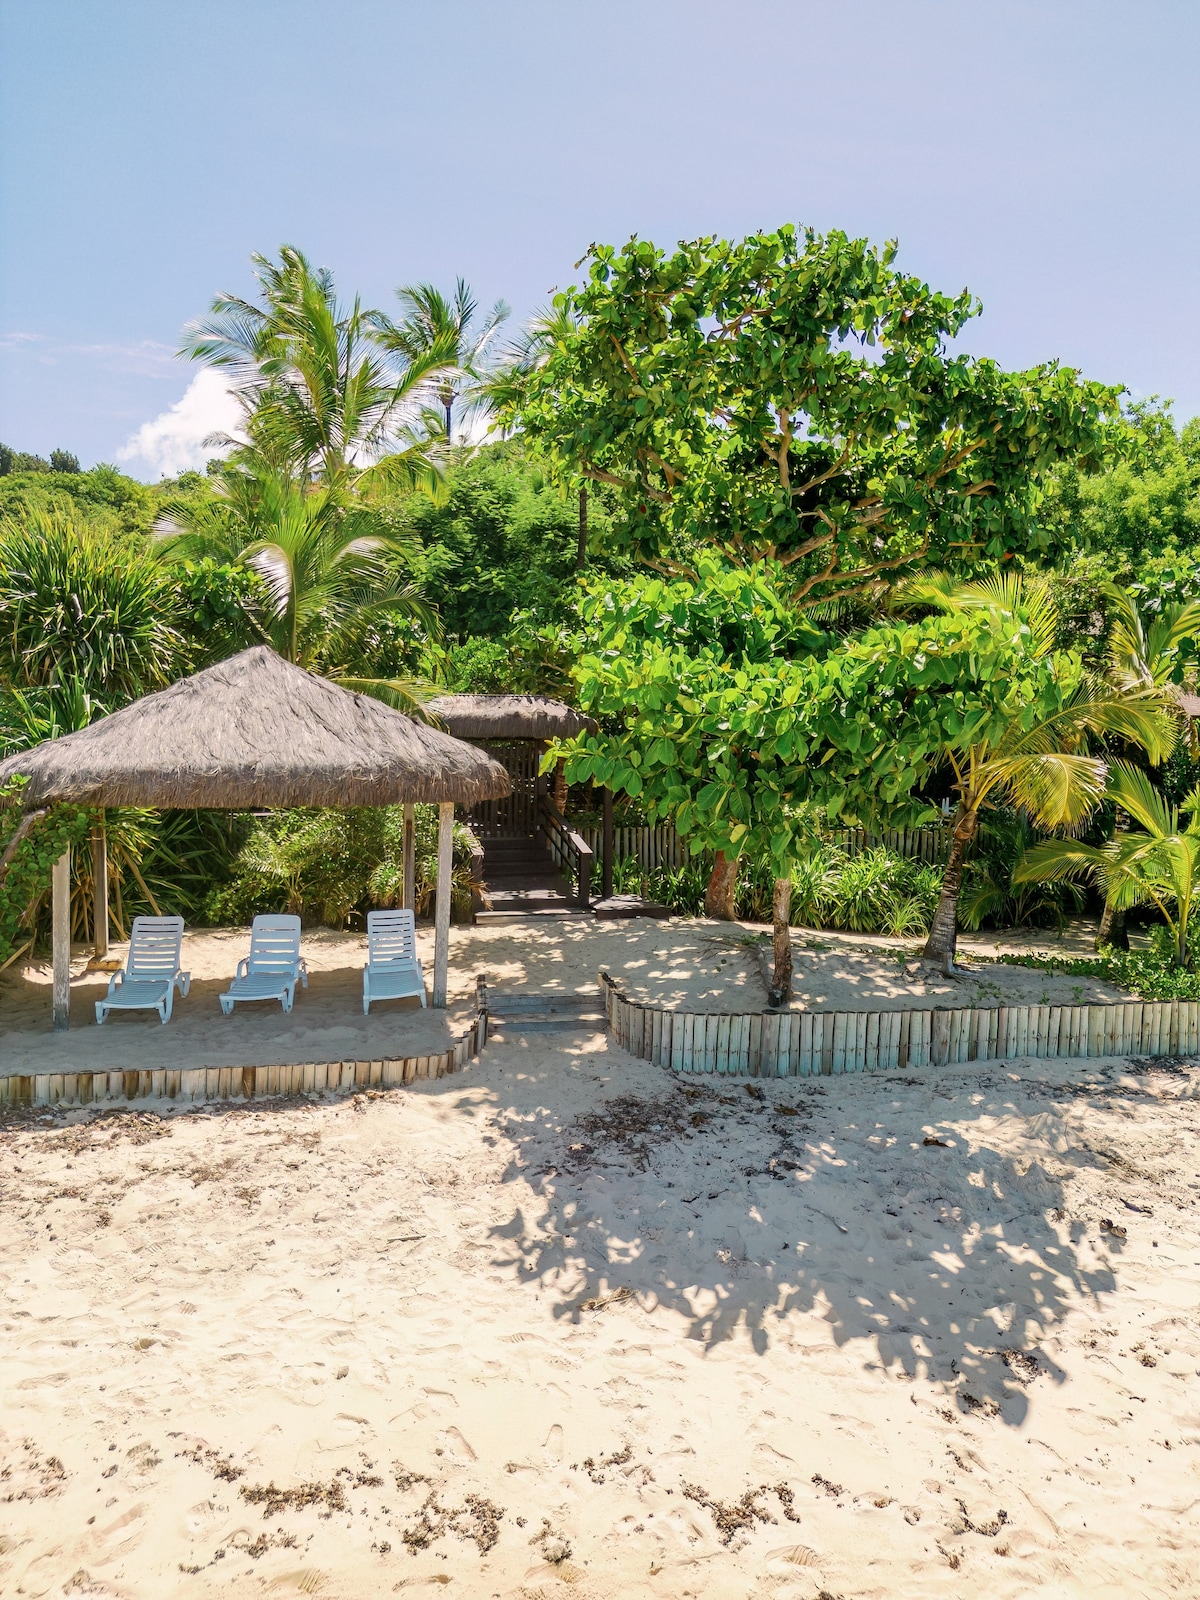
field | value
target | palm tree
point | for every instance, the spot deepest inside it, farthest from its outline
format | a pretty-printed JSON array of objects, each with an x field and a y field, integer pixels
[
  {"x": 441, "y": 335},
  {"x": 1037, "y": 760},
  {"x": 1158, "y": 863},
  {"x": 330, "y": 570},
  {"x": 319, "y": 396}
]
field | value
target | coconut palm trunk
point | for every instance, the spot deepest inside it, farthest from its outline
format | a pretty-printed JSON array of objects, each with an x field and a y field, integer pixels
[{"x": 943, "y": 931}]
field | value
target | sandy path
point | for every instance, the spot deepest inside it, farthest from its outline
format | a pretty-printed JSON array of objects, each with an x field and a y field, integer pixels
[
  {"x": 578, "y": 1312},
  {"x": 686, "y": 964}
]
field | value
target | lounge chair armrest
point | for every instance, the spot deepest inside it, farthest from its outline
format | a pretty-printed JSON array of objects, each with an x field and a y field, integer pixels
[
  {"x": 243, "y": 967},
  {"x": 116, "y": 980}
]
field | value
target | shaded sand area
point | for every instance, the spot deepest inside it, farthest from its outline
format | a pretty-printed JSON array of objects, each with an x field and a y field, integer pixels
[
  {"x": 565, "y": 1326},
  {"x": 686, "y": 964}
]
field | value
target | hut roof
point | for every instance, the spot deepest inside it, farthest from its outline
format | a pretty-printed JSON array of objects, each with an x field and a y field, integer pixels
[
  {"x": 256, "y": 731},
  {"x": 508, "y": 716}
]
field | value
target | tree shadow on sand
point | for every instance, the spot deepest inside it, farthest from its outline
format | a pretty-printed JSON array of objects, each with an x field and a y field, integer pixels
[{"x": 741, "y": 1206}]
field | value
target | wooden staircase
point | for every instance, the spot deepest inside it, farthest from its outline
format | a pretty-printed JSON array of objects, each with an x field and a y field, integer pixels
[{"x": 523, "y": 881}]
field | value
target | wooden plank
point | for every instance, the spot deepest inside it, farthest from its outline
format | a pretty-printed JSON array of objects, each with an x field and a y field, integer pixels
[
  {"x": 978, "y": 1036},
  {"x": 1173, "y": 1047},
  {"x": 920, "y": 1037},
  {"x": 743, "y": 1044},
  {"x": 724, "y": 1061},
  {"x": 840, "y": 1021},
  {"x": 904, "y": 1052},
  {"x": 939, "y": 1044},
  {"x": 791, "y": 1043},
  {"x": 871, "y": 1051},
  {"x": 804, "y": 1055},
  {"x": 897, "y": 1022},
  {"x": 755, "y": 1066}
]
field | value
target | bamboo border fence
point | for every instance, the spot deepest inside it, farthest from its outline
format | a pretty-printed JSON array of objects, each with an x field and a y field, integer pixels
[
  {"x": 247, "y": 1083},
  {"x": 823, "y": 1043}
]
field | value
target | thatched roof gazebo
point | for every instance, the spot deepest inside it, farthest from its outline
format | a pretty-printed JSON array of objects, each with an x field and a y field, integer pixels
[
  {"x": 257, "y": 731},
  {"x": 507, "y": 716}
]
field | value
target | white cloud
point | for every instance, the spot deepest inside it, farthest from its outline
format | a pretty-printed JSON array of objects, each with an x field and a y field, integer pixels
[{"x": 174, "y": 441}]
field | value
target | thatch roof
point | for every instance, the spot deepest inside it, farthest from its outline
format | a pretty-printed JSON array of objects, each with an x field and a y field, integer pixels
[
  {"x": 507, "y": 716},
  {"x": 256, "y": 731}
]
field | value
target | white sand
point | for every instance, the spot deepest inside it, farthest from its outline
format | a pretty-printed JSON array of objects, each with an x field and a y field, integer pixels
[
  {"x": 694, "y": 965},
  {"x": 496, "y": 1292}
]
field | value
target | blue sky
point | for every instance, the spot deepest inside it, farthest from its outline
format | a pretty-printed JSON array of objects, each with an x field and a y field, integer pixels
[{"x": 1044, "y": 153}]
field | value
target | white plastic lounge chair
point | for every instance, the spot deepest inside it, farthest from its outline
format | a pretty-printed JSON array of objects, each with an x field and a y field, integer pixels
[
  {"x": 151, "y": 975},
  {"x": 392, "y": 970},
  {"x": 273, "y": 967}
]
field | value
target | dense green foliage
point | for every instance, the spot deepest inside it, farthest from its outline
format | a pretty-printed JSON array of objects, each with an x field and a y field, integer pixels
[
  {"x": 325, "y": 864},
  {"x": 25, "y": 879},
  {"x": 771, "y": 436},
  {"x": 791, "y": 399}
]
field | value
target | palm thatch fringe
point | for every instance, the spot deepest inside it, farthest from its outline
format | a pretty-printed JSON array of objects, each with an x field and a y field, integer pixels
[
  {"x": 256, "y": 731},
  {"x": 507, "y": 716}
]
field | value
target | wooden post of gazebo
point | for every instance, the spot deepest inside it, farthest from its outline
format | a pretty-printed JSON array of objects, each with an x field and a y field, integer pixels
[
  {"x": 100, "y": 890},
  {"x": 408, "y": 899},
  {"x": 60, "y": 904},
  {"x": 441, "y": 933}
]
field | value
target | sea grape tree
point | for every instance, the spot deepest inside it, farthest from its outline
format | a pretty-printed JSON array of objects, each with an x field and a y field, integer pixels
[{"x": 794, "y": 399}]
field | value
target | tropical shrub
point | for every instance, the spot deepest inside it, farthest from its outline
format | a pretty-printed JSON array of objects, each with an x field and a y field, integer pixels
[
  {"x": 327, "y": 864},
  {"x": 25, "y": 877},
  {"x": 78, "y": 604}
]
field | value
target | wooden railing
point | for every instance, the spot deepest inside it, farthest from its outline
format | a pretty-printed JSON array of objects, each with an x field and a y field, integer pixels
[{"x": 571, "y": 853}]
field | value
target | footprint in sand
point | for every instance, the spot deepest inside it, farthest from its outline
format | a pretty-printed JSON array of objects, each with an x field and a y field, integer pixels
[
  {"x": 453, "y": 1443},
  {"x": 202, "y": 1518},
  {"x": 117, "y": 1540},
  {"x": 553, "y": 1447}
]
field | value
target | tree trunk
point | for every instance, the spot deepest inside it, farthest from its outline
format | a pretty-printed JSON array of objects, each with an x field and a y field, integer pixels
[
  {"x": 1112, "y": 929},
  {"x": 560, "y": 788},
  {"x": 581, "y": 551},
  {"x": 722, "y": 887},
  {"x": 943, "y": 932},
  {"x": 781, "y": 933}
]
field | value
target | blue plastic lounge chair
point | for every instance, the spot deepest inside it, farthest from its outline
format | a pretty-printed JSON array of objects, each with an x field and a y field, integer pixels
[
  {"x": 392, "y": 971},
  {"x": 273, "y": 967},
  {"x": 151, "y": 975}
]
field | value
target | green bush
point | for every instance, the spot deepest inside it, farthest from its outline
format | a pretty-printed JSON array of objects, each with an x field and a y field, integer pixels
[
  {"x": 26, "y": 881},
  {"x": 1142, "y": 972},
  {"x": 875, "y": 891},
  {"x": 327, "y": 865}
]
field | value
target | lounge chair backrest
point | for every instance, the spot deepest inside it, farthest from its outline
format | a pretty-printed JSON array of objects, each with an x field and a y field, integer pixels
[
  {"x": 391, "y": 937},
  {"x": 154, "y": 947},
  {"x": 274, "y": 944}
]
